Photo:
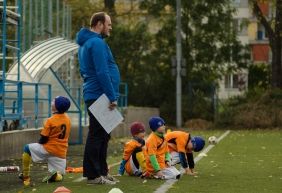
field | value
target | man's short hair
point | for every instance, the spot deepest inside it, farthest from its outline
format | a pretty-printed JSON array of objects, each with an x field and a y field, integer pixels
[{"x": 96, "y": 17}]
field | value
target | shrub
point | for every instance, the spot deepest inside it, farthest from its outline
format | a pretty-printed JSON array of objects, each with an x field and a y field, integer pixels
[{"x": 257, "y": 109}]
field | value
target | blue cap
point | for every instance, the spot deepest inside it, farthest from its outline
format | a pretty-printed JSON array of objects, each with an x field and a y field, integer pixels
[
  {"x": 198, "y": 143},
  {"x": 155, "y": 123},
  {"x": 62, "y": 104}
]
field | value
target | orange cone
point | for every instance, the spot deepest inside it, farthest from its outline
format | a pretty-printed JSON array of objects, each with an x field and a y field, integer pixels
[{"x": 62, "y": 189}]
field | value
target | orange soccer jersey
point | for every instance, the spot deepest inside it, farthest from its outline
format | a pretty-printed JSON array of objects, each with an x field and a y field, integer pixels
[
  {"x": 129, "y": 148},
  {"x": 177, "y": 141},
  {"x": 57, "y": 129},
  {"x": 156, "y": 145}
]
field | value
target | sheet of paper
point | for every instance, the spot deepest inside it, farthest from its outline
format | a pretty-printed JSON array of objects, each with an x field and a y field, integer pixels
[{"x": 109, "y": 119}]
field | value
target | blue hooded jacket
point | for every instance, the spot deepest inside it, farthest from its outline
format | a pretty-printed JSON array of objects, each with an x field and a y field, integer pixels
[{"x": 97, "y": 66}]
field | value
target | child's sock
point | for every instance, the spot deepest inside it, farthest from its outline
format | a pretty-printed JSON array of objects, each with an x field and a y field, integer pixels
[
  {"x": 141, "y": 160},
  {"x": 26, "y": 159}
]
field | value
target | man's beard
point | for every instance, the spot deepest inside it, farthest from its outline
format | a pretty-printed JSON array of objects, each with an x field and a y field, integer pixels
[{"x": 104, "y": 35}]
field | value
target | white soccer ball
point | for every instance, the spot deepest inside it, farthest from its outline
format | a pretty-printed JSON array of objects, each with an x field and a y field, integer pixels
[{"x": 212, "y": 140}]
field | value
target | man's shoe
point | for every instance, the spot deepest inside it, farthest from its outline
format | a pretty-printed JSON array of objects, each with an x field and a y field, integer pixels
[
  {"x": 101, "y": 180},
  {"x": 111, "y": 178}
]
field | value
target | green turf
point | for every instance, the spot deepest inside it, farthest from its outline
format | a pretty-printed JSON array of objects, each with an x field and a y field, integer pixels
[
  {"x": 127, "y": 184},
  {"x": 245, "y": 161}
]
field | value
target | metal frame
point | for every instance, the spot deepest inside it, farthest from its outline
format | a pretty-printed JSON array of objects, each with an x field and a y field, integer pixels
[
  {"x": 46, "y": 56},
  {"x": 50, "y": 55},
  {"x": 45, "y": 19},
  {"x": 76, "y": 103},
  {"x": 13, "y": 19},
  {"x": 15, "y": 95}
]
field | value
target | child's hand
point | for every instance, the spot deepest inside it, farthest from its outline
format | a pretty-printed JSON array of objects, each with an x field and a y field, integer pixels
[
  {"x": 159, "y": 174},
  {"x": 190, "y": 172},
  {"x": 145, "y": 175},
  {"x": 168, "y": 163}
]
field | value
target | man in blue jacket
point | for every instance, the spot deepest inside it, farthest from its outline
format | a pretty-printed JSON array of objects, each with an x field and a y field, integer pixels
[{"x": 100, "y": 74}]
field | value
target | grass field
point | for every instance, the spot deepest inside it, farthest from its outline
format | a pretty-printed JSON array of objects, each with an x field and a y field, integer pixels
[{"x": 244, "y": 161}]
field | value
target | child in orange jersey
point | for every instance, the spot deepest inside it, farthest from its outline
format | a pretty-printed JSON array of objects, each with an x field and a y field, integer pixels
[
  {"x": 157, "y": 153},
  {"x": 133, "y": 161},
  {"x": 181, "y": 146},
  {"x": 53, "y": 144}
]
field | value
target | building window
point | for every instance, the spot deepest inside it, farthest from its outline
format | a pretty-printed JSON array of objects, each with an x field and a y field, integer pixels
[
  {"x": 240, "y": 26},
  {"x": 261, "y": 34},
  {"x": 231, "y": 81},
  {"x": 236, "y": 3}
]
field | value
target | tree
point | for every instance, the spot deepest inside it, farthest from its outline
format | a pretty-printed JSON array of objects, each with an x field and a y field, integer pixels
[
  {"x": 110, "y": 6},
  {"x": 82, "y": 11},
  {"x": 273, "y": 27},
  {"x": 144, "y": 57},
  {"x": 131, "y": 46},
  {"x": 209, "y": 43}
]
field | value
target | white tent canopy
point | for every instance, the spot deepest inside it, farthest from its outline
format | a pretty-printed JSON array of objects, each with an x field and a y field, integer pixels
[{"x": 50, "y": 53}]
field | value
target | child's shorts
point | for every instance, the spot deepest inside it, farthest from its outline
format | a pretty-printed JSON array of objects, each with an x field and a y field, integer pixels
[
  {"x": 38, "y": 154},
  {"x": 174, "y": 158}
]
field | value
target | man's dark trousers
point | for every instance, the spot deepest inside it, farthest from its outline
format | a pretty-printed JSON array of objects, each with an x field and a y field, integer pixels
[{"x": 95, "y": 153}]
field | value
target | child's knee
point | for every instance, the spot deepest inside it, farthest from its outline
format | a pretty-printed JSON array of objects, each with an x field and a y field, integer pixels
[{"x": 26, "y": 149}]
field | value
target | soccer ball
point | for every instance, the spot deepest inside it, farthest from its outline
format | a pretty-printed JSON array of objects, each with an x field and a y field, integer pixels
[{"x": 212, "y": 140}]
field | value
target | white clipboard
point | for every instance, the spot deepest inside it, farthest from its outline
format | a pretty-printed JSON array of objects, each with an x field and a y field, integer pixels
[{"x": 109, "y": 119}]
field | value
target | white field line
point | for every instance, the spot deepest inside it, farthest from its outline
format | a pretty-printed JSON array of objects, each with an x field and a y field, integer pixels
[
  {"x": 84, "y": 178},
  {"x": 169, "y": 183}
]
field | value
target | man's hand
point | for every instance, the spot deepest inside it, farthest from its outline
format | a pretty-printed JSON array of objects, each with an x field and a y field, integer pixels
[
  {"x": 113, "y": 105},
  {"x": 190, "y": 172}
]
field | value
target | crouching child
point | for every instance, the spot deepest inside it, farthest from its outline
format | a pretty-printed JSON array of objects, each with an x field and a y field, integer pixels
[
  {"x": 158, "y": 160},
  {"x": 133, "y": 161},
  {"x": 181, "y": 146},
  {"x": 52, "y": 146}
]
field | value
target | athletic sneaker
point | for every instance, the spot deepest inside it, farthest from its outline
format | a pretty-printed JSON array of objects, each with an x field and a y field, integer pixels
[
  {"x": 50, "y": 178},
  {"x": 101, "y": 180},
  {"x": 138, "y": 173},
  {"x": 111, "y": 178},
  {"x": 178, "y": 176},
  {"x": 25, "y": 179}
]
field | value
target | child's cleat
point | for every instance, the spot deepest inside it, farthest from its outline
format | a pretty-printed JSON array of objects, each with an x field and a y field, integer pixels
[
  {"x": 25, "y": 179},
  {"x": 26, "y": 182},
  {"x": 50, "y": 178},
  {"x": 178, "y": 176},
  {"x": 21, "y": 176},
  {"x": 59, "y": 177}
]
